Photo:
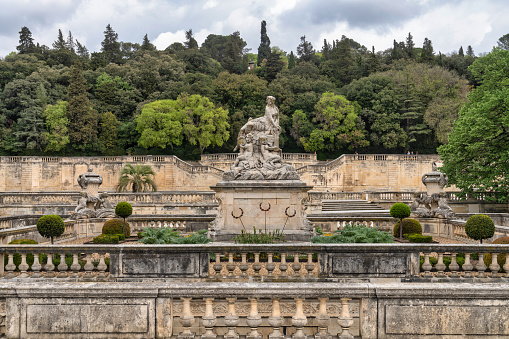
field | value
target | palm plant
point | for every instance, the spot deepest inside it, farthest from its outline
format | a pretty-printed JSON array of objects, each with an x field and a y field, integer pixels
[{"x": 139, "y": 178}]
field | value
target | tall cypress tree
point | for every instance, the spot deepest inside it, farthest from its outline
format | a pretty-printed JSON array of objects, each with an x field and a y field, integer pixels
[
  {"x": 291, "y": 60},
  {"x": 111, "y": 46},
  {"x": 460, "y": 52},
  {"x": 410, "y": 46},
  {"x": 264, "y": 48},
  {"x": 83, "y": 119},
  {"x": 427, "y": 51},
  {"x": 146, "y": 45},
  {"x": 26, "y": 42}
]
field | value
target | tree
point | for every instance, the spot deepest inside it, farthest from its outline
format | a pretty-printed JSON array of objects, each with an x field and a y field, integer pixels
[
  {"x": 83, "y": 119},
  {"x": 305, "y": 50},
  {"x": 56, "y": 135},
  {"x": 26, "y": 42},
  {"x": 50, "y": 226},
  {"x": 190, "y": 42},
  {"x": 234, "y": 60},
  {"x": 409, "y": 46},
  {"x": 60, "y": 43},
  {"x": 81, "y": 50},
  {"x": 123, "y": 210},
  {"x": 476, "y": 158},
  {"x": 400, "y": 210},
  {"x": 146, "y": 45},
  {"x": 503, "y": 42},
  {"x": 479, "y": 227},
  {"x": 291, "y": 60},
  {"x": 427, "y": 51},
  {"x": 460, "y": 52},
  {"x": 139, "y": 179},
  {"x": 335, "y": 121},
  {"x": 264, "y": 48},
  {"x": 110, "y": 46},
  {"x": 470, "y": 51},
  {"x": 273, "y": 66},
  {"x": 108, "y": 136}
]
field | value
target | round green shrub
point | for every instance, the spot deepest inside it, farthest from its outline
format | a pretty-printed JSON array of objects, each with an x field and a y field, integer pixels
[
  {"x": 123, "y": 209},
  {"x": 500, "y": 257},
  {"x": 479, "y": 227},
  {"x": 50, "y": 226},
  {"x": 409, "y": 226},
  {"x": 114, "y": 226},
  {"x": 400, "y": 210}
]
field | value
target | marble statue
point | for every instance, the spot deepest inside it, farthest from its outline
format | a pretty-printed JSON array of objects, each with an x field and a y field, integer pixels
[
  {"x": 260, "y": 157},
  {"x": 91, "y": 203}
]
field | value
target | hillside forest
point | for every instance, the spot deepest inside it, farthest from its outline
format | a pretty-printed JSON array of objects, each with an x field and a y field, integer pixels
[{"x": 130, "y": 98}]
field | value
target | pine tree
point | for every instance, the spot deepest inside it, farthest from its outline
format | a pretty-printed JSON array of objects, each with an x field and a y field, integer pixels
[
  {"x": 83, "y": 119},
  {"x": 326, "y": 50},
  {"x": 264, "y": 48},
  {"x": 460, "y": 52},
  {"x": 81, "y": 50},
  {"x": 503, "y": 42},
  {"x": 190, "y": 40},
  {"x": 395, "y": 55},
  {"x": 274, "y": 65},
  {"x": 146, "y": 45},
  {"x": 70, "y": 42},
  {"x": 26, "y": 42},
  {"x": 409, "y": 47},
  {"x": 111, "y": 46},
  {"x": 291, "y": 60},
  {"x": 305, "y": 50},
  {"x": 427, "y": 51},
  {"x": 470, "y": 51},
  {"x": 60, "y": 43}
]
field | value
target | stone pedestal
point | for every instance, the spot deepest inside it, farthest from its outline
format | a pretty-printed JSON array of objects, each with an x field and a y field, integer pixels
[{"x": 284, "y": 201}]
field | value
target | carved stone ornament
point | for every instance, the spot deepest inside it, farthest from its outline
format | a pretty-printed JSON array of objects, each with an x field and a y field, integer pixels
[
  {"x": 259, "y": 153},
  {"x": 92, "y": 204}
]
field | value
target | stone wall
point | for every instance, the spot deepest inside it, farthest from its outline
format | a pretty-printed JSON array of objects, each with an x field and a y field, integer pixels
[{"x": 349, "y": 173}]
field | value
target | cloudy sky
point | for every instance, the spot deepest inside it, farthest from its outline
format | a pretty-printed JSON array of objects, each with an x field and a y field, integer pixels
[{"x": 449, "y": 24}]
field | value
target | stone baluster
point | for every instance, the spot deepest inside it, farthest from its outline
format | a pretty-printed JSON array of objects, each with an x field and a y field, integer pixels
[
  {"x": 186, "y": 319},
  {"x": 506, "y": 265},
  {"x": 310, "y": 266},
  {"x": 89, "y": 267},
  {"x": 296, "y": 265},
  {"x": 75, "y": 267},
  {"x": 494, "y": 267},
  {"x": 481, "y": 267},
  {"x": 322, "y": 320},
  {"x": 276, "y": 320},
  {"x": 243, "y": 265},
  {"x": 10, "y": 267},
  {"x": 453, "y": 266},
  {"x": 254, "y": 320},
  {"x": 23, "y": 267},
  {"x": 36, "y": 266},
  {"x": 230, "y": 266},
  {"x": 440, "y": 266},
  {"x": 209, "y": 320},
  {"x": 217, "y": 266},
  {"x": 467, "y": 266},
  {"x": 62, "y": 267},
  {"x": 299, "y": 319},
  {"x": 101, "y": 267},
  {"x": 345, "y": 320},
  {"x": 283, "y": 266},
  {"x": 231, "y": 320},
  {"x": 426, "y": 266},
  {"x": 49, "y": 267},
  {"x": 270, "y": 266},
  {"x": 256, "y": 265}
]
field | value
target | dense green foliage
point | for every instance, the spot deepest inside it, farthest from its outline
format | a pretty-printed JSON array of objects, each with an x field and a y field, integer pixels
[
  {"x": 355, "y": 234},
  {"x": 501, "y": 257},
  {"x": 115, "y": 226},
  {"x": 67, "y": 100},
  {"x": 123, "y": 209},
  {"x": 260, "y": 237},
  {"x": 479, "y": 227},
  {"x": 106, "y": 239},
  {"x": 419, "y": 238},
  {"x": 476, "y": 159},
  {"x": 410, "y": 226},
  {"x": 50, "y": 226},
  {"x": 139, "y": 179},
  {"x": 172, "y": 236},
  {"x": 400, "y": 210}
]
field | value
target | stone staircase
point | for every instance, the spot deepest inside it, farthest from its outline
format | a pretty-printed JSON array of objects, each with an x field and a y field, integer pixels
[{"x": 351, "y": 206}]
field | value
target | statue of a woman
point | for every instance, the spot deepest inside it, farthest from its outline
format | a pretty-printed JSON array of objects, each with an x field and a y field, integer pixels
[{"x": 268, "y": 124}]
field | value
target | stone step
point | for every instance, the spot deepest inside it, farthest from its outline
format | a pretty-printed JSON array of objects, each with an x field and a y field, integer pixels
[{"x": 349, "y": 205}]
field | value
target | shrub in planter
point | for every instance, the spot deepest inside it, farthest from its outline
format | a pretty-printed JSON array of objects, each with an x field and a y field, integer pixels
[
  {"x": 50, "y": 226},
  {"x": 115, "y": 226},
  {"x": 410, "y": 226},
  {"x": 479, "y": 227},
  {"x": 106, "y": 239},
  {"x": 500, "y": 257},
  {"x": 419, "y": 238}
]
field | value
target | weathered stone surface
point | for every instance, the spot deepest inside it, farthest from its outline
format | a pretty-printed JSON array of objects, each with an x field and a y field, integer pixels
[
  {"x": 160, "y": 264},
  {"x": 369, "y": 264}
]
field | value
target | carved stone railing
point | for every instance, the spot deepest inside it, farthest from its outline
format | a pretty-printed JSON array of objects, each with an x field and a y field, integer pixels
[
  {"x": 331, "y": 222},
  {"x": 279, "y": 262}
]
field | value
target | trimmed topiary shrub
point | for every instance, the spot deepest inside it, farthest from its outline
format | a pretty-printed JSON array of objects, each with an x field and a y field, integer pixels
[
  {"x": 115, "y": 226},
  {"x": 479, "y": 227},
  {"x": 123, "y": 210},
  {"x": 419, "y": 238},
  {"x": 410, "y": 226},
  {"x": 106, "y": 239},
  {"x": 500, "y": 257},
  {"x": 50, "y": 226},
  {"x": 400, "y": 210}
]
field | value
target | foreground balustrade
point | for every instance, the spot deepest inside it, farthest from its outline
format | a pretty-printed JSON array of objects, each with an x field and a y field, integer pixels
[{"x": 292, "y": 262}]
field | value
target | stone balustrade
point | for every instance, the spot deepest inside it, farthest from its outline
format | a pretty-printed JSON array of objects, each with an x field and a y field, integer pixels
[
  {"x": 331, "y": 223},
  {"x": 276, "y": 262}
]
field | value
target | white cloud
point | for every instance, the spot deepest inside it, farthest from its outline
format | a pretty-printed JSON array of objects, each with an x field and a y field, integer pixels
[{"x": 166, "y": 39}]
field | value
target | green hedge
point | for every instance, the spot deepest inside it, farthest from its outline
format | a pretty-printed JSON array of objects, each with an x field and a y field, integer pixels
[
  {"x": 114, "y": 226},
  {"x": 106, "y": 239},
  {"x": 410, "y": 226},
  {"x": 419, "y": 238}
]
